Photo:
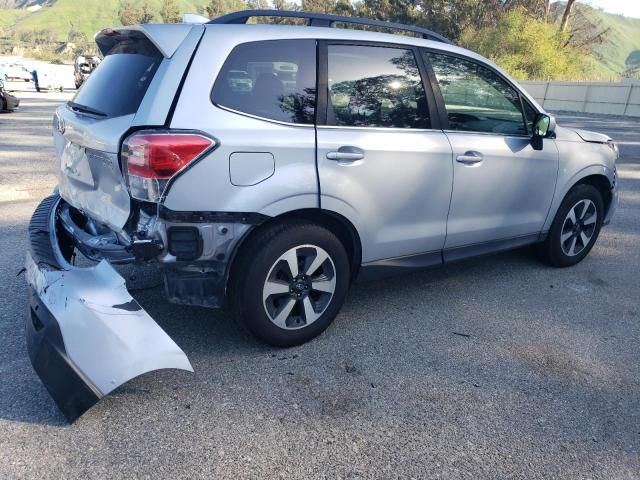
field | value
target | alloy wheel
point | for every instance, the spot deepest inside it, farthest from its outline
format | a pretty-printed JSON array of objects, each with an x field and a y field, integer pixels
[
  {"x": 299, "y": 287},
  {"x": 578, "y": 228}
]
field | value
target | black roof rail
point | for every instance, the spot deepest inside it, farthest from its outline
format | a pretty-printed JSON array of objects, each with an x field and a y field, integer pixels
[{"x": 324, "y": 20}]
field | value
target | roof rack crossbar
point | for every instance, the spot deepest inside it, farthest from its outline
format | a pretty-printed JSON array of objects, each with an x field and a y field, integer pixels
[{"x": 324, "y": 20}]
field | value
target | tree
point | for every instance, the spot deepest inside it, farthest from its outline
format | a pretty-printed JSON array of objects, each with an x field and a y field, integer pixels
[
  {"x": 565, "y": 16},
  {"x": 146, "y": 15},
  {"x": 285, "y": 5},
  {"x": 40, "y": 37},
  {"x": 345, "y": 7},
  {"x": 170, "y": 12},
  {"x": 320, "y": 6},
  {"x": 216, "y": 8},
  {"x": 258, "y": 4},
  {"x": 527, "y": 48},
  {"x": 128, "y": 13},
  {"x": 76, "y": 36}
]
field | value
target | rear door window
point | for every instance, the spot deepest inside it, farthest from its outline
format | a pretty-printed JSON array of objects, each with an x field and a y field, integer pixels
[
  {"x": 375, "y": 87},
  {"x": 273, "y": 79},
  {"x": 118, "y": 85}
]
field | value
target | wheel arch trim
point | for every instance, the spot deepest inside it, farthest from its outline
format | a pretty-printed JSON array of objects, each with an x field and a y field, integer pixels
[
  {"x": 338, "y": 224},
  {"x": 583, "y": 176}
]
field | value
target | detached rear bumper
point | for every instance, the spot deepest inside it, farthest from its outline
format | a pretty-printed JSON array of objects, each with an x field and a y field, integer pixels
[{"x": 85, "y": 334}]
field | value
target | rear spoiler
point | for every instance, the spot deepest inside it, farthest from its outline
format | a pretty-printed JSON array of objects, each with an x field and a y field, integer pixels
[{"x": 166, "y": 37}]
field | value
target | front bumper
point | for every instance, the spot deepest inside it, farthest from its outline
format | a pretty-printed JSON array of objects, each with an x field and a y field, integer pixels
[
  {"x": 614, "y": 200},
  {"x": 85, "y": 334}
]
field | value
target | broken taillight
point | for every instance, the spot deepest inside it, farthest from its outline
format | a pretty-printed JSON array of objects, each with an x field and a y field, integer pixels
[{"x": 151, "y": 159}]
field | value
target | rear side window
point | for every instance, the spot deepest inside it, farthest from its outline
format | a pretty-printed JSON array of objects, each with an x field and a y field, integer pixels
[
  {"x": 120, "y": 82},
  {"x": 274, "y": 79},
  {"x": 375, "y": 87}
]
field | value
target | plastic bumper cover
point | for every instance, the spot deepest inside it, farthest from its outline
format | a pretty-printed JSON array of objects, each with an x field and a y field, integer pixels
[{"x": 85, "y": 334}]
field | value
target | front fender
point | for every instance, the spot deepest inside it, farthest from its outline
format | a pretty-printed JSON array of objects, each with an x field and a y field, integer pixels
[{"x": 563, "y": 188}]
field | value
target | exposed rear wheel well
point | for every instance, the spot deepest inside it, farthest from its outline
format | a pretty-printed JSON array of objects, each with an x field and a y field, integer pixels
[
  {"x": 602, "y": 184},
  {"x": 337, "y": 224}
]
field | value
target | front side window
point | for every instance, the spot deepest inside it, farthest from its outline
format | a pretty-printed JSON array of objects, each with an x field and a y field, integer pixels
[
  {"x": 273, "y": 79},
  {"x": 476, "y": 98},
  {"x": 530, "y": 115},
  {"x": 375, "y": 87}
]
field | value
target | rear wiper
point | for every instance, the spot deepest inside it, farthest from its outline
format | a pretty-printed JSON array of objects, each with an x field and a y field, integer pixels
[{"x": 85, "y": 109}]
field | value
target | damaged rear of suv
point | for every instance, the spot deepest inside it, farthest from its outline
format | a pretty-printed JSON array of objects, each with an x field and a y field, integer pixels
[
  {"x": 268, "y": 166},
  {"x": 134, "y": 187}
]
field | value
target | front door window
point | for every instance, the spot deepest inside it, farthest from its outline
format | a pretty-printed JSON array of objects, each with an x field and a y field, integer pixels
[{"x": 476, "y": 98}]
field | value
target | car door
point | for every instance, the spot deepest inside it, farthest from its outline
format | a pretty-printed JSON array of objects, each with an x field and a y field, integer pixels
[
  {"x": 382, "y": 160},
  {"x": 502, "y": 186}
]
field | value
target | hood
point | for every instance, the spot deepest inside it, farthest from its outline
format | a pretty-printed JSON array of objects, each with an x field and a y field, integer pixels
[{"x": 593, "y": 137}]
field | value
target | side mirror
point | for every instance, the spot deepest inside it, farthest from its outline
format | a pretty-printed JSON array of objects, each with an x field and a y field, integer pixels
[{"x": 543, "y": 127}]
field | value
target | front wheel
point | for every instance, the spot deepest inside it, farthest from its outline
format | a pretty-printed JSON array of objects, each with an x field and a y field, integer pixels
[
  {"x": 290, "y": 282},
  {"x": 575, "y": 227}
]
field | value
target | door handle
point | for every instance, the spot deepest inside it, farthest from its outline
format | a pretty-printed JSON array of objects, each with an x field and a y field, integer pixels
[
  {"x": 346, "y": 154},
  {"x": 470, "y": 158}
]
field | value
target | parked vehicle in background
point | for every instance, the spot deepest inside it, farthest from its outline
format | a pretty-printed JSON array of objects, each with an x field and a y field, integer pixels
[
  {"x": 346, "y": 154},
  {"x": 240, "y": 80},
  {"x": 17, "y": 71},
  {"x": 83, "y": 67},
  {"x": 8, "y": 102},
  {"x": 52, "y": 78}
]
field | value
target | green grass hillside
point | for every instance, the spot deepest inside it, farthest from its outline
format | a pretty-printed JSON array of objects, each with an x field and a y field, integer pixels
[
  {"x": 622, "y": 40},
  {"x": 621, "y": 43},
  {"x": 10, "y": 16},
  {"x": 88, "y": 16}
]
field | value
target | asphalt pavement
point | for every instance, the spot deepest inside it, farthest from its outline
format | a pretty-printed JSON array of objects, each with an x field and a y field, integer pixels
[{"x": 496, "y": 367}]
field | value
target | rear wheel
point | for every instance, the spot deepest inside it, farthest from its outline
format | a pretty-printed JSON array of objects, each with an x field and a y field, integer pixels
[
  {"x": 575, "y": 228},
  {"x": 290, "y": 282}
]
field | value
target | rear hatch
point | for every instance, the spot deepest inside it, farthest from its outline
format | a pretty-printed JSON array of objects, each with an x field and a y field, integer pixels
[
  {"x": 89, "y": 129},
  {"x": 86, "y": 335}
]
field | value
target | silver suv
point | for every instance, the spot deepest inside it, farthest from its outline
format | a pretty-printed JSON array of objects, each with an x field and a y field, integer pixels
[{"x": 270, "y": 166}]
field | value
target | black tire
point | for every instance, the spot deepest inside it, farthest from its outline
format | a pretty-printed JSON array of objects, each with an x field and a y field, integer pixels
[
  {"x": 257, "y": 259},
  {"x": 551, "y": 250}
]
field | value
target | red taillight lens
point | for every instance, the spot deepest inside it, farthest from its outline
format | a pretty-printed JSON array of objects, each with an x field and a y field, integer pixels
[
  {"x": 151, "y": 159},
  {"x": 162, "y": 155}
]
